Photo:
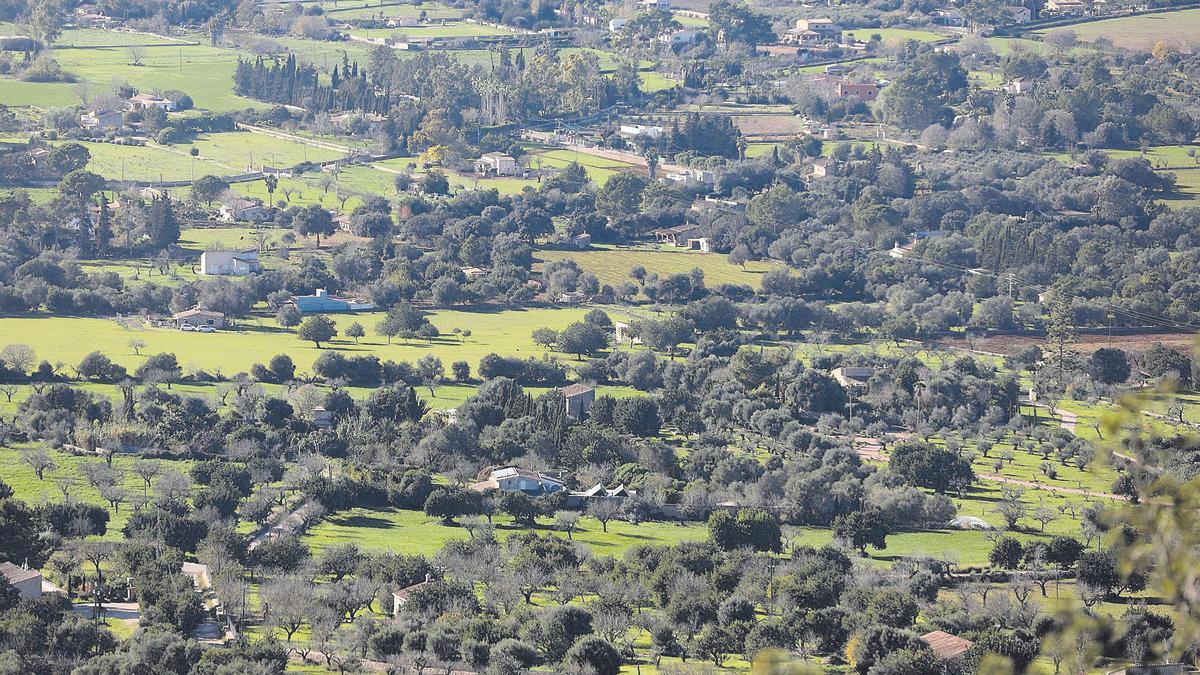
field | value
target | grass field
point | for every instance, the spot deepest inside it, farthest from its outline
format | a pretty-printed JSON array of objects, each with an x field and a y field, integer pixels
[
  {"x": 204, "y": 73},
  {"x": 413, "y": 532},
  {"x": 96, "y": 37},
  {"x": 1164, "y": 156},
  {"x": 349, "y": 11},
  {"x": 599, "y": 169},
  {"x": 1180, "y": 29},
  {"x": 231, "y": 351},
  {"x": 448, "y": 30},
  {"x": 893, "y": 36},
  {"x": 611, "y": 264},
  {"x": 28, "y": 488},
  {"x": 221, "y": 154}
]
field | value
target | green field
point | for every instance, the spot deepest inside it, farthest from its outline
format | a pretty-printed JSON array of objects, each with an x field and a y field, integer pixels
[
  {"x": 1179, "y": 29},
  {"x": 231, "y": 351},
  {"x": 652, "y": 81},
  {"x": 28, "y": 488},
  {"x": 96, "y": 37},
  {"x": 221, "y": 154},
  {"x": 893, "y": 36},
  {"x": 611, "y": 264},
  {"x": 413, "y": 532},
  {"x": 204, "y": 73},
  {"x": 1163, "y": 156},
  {"x": 449, "y": 30},
  {"x": 599, "y": 169},
  {"x": 343, "y": 11}
]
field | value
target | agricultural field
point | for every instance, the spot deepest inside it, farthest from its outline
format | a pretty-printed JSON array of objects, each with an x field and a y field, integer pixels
[
  {"x": 599, "y": 169},
  {"x": 1177, "y": 29},
  {"x": 446, "y": 30},
  {"x": 257, "y": 340},
  {"x": 611, "y": 264},
  {"x": 413, "y": 532},
  {"x": 893, "y": 36},
  {"x": 366, "y": 10},
  {"x": 204, "y": 73},
  {"x": 66, "y": 474}
]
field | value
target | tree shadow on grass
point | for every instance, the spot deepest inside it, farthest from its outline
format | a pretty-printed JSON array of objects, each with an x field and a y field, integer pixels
[{"x": 371, "y": 522}]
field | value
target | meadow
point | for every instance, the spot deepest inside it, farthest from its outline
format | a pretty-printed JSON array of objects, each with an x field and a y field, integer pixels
[
  {"x": 1178, "y": 29},
  {"x": 599, "y": 169},
  {"x": 893, "y": 36},
  {"x": 257, "y": 340},
  {"x": 447, "y": 30},
  {"x": 343, "y": 11},
  {"x": 611, "y": 264},
  {"x": 414, "y": 533},
  {"x": 26, "y": 486},
  {"x": 204, "y": 73}
]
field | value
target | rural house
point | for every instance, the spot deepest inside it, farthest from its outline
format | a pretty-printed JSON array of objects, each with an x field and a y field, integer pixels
[
  {"x": 825, "y": 28},
  {"x": 853, "y": 378},
  {"x": 27, "y": 582},
  {"x": 820, "y": 168},
  {"x": 1018, "y": 86},
  {"x": 321, "y": 301},
  {"x": 580, "y": 398},
  {"x": 946, "y": 646},
  {"x": 865, "y": 92},
  {"x": 199, "y": 317},
  {"x": 400, "y": 597},
  {"x": 229, "y": 263},
  {"x": 678, "y": 235},
  {"x": 101, "y": 119},
  {"x": 17, "y": 43},
  {"x": 147, "y": 101},
  {"x": 496, "y": 164},
  {"x": 641, "y": 131},
  {"x": 1018, "y": 14},
  {"x": 690, "y": 176},
  {"x": 677, "y": 38},
  {"x": 247, "y": 210},
  {"x": 512, "y": 479}
]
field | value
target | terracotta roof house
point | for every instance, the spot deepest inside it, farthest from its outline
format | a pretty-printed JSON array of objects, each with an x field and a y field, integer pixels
[
  {"x": 199, "y": 317},
  {"x": 401, "y": 596},
  {"x": 946, "y": 646},
  {"x": 27, "y": 582},
  {"x": 580, "y": 398},
  {"x": 865, "y": 92},
  {"x": 147, "y": 101}
]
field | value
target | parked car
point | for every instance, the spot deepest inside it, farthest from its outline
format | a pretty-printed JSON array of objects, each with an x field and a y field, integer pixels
[
  {"x": 188, "y": 328},
  {"x": 207, "y": 329}
]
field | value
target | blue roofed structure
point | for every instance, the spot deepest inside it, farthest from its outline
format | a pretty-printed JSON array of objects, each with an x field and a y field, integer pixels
[{"x": 323, "y": 302}]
